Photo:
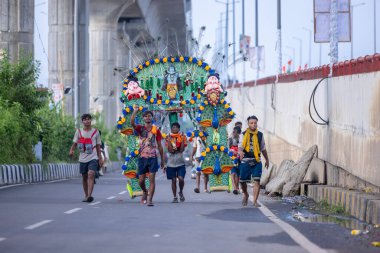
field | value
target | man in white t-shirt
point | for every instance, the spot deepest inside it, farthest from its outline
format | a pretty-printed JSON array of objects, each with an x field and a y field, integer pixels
[
  {"x": 198, "y": 148},
  {"x": 87, "y": 139}
]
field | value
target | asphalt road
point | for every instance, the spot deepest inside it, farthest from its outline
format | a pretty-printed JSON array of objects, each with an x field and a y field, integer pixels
[{"x": 50, "y": 217}]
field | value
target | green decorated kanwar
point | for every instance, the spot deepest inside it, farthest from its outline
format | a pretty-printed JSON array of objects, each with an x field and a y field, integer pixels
[{"x": 172, "y": 86}]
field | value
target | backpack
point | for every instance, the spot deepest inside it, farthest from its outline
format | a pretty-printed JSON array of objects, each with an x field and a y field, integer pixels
[{"x": 85, "y": 144}]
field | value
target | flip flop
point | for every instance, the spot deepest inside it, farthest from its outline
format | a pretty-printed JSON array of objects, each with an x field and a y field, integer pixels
[
  {"x": 150, "y": 204},
  {"x": 90, "y": 199}
]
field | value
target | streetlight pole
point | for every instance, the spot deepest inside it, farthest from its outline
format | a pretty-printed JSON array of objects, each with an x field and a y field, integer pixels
[
  {"x": 300, "y": 41},
  {"x": 226, "y": 50},
  {"x": 374, "y": 26},
  {"x": 294, "y": 53},
  {"x": 243, "y": 32},
  {"x": 76, "y": 90},
  {"x": 234, "y": 40},
  {"x": 257, "y": 38},
  {"x": 310, "y": 34},
  {"x": 279, "y": 45},
  {"x": 226, "y": 40},
  {"x": 352, "y": 26}
]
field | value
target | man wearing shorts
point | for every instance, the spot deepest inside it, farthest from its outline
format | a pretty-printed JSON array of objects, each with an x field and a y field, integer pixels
[
  {"x": 251, "y": 145},
  {"x": 87, "y": 139},
  {"x": 150, "y": 140},
  {"x": 233, "y": 143},
  {"x": 176, "y": 143},
  {"x": 198, "y": 148}
]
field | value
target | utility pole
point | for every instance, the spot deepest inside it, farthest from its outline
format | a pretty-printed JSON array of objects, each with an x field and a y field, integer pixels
[
  {"x": 279, "y": 45},
  {"x": 374, "y": 26},
  {"x": 61, "y": 80},
  {"x": 76, "y": 90},
  {"x": 234, "y": 40},
  {"x": 333, "y": 34},
  {"x": 243, "y": 32},
  {"x": 293, "y": 56},
  {"x": 310, "y": 34},
  {"x": 226, "y": 50},
  {"x": 257, "y": 38},
  {"x": 300, "y": 41}
]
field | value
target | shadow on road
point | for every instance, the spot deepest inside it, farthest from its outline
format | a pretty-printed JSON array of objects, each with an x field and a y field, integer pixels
[
  {"x": 240, "y": 215},
  {"x": 278, "y": 238}
]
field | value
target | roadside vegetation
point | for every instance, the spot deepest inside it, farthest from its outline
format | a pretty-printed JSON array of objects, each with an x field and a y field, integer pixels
[{"x": 28, "y": 115}]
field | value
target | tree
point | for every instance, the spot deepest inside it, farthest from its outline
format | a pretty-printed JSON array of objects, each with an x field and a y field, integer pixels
[
  {"x": 16, "y": 142},
  {"x": 17, "y": 83}
]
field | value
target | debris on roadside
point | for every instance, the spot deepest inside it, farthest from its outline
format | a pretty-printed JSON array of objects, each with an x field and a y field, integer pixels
[{"x": 299, "y": 216}]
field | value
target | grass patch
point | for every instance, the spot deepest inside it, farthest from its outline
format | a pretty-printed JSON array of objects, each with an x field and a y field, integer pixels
[{"x": 325, "y": 207}]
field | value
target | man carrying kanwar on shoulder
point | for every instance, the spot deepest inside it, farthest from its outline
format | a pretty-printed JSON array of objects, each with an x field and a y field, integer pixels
[
  {"x": 150, "y": 140},
  {"x": 251, "y": 145},
  {"x": 176, "y": 143},
  {"x": 87, "y": 139}
]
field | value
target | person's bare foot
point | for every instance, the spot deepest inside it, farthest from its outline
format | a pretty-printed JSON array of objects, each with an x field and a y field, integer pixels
[
  {"x": 181, "y": 197},
  {"x": 256, "y": 205},
  {"x": 143, "y": 198},
  {"x": 245, "y": 200}
]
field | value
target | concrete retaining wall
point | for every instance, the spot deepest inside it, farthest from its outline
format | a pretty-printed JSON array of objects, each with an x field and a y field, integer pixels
[
  {"x": 365, "y": 207},
  {"x": 34, "y": 173},
  {"x": 351, "y": 141}
]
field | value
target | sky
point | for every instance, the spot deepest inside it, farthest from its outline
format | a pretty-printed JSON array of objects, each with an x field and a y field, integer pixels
[{"x": 295, "y": 16}]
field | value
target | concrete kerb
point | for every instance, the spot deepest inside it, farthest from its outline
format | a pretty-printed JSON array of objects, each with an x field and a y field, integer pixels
[
  {"x": 2, "y": 174},
  {"x": 34, "y": 173},
  {"x": 373, "y": 212},
  {"x": 365, "y": 207}
]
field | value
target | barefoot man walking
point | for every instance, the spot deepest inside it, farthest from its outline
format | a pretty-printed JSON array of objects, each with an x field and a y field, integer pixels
[
  {"x": 150, "y": 140},
  {"x": 251, "y": 146}
]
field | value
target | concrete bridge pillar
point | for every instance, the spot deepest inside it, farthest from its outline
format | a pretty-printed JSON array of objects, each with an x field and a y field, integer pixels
[
  {"x": 16, "y": 27},
  {"x": 61, "y": 50},
  {"x": 103, "y": 93}
]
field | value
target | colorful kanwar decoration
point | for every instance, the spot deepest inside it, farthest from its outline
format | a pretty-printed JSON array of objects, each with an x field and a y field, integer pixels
[{"x": 171, "y": 87}]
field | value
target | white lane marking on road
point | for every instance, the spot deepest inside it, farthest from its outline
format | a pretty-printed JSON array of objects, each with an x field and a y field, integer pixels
[
  {"x": 39, "y": 224},
  {"x": 112, "y": 197},
  {"x": 56, "y": 181},
  {"x": 156, "y": 235},
  {"x": 2, "y": 239},
  {"x": 9, "y": 186},
  {"x": 73, "y": 210},
  {"x": 123, "y": 192},
  {"x": 291, "y": 231},
  {"x": 95, "y": 203}
]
